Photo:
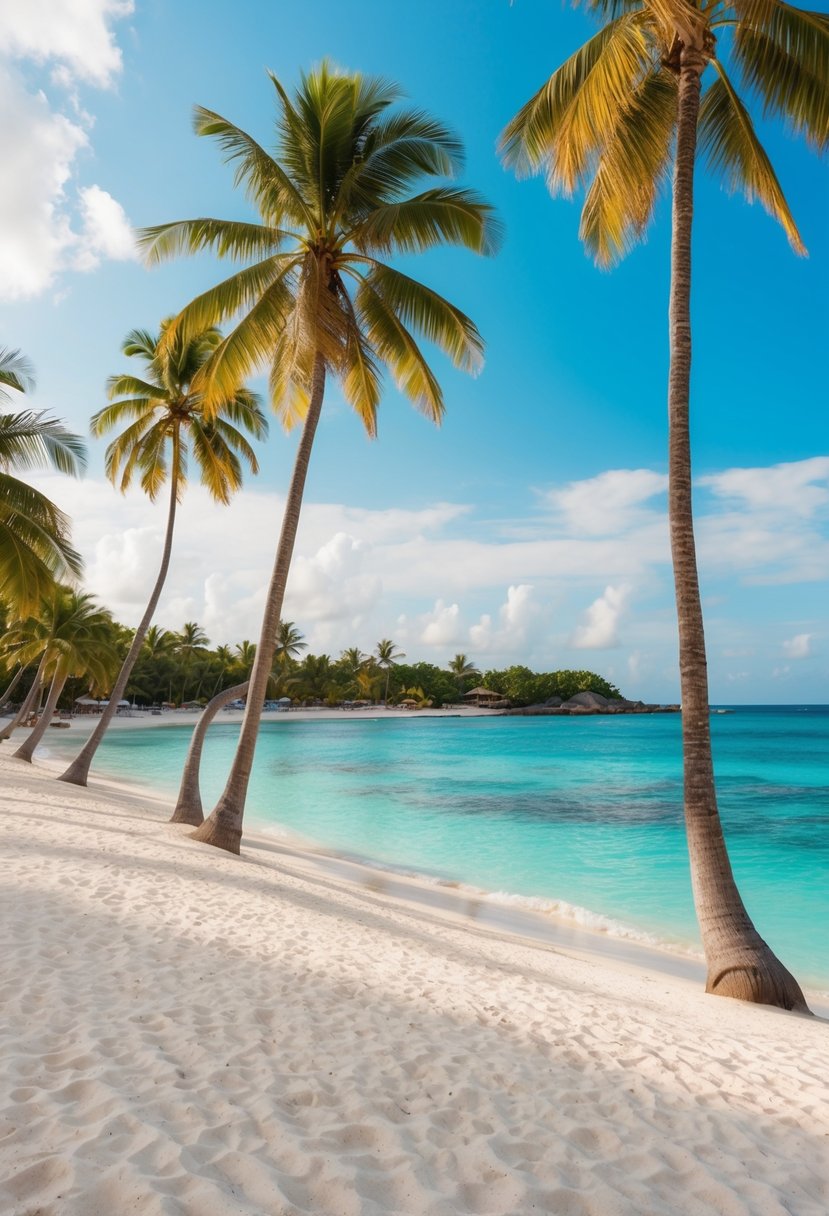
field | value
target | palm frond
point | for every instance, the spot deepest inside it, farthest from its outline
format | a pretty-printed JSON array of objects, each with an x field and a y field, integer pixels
[
  {"x": 225, "y": 238},
  {"x": 31, "y": 439},
  {"x": 783, "y": 56},
  {"x": 441, "y": 216},
  {"x": 233, "y": 295},
  {"x": 134, "y": 408},
  {"x": 729, "y": 141},
  {"x": 15, "y": 372},
  {"x": 399, "y": 351},
  {"x": 631, "y": 168},
  {"x": 565, "y": 123}
]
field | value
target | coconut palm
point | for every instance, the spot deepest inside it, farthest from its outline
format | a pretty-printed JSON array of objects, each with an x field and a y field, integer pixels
[
  {"x": 289, "y": 643},
  {"x": 621, "y": 114},
  {"x": 318, "y": 301},
  {"x": 34, "y": 533},
  {"x": 462, "y": 668},
  {"x": 165, "y": 422},
  {"x": 76, "y": 637},
  {"x": 386, "y": 656},
  {"x": 245, "y": 657},
  {"x": 190, "y": 643}
]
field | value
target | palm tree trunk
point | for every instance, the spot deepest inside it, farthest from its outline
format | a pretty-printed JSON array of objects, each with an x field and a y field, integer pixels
[
  {"x": 27, "y": 747},
  {"x": 223, "y": 828},
  {"x": 189, "y": 805},
  {"x": 78, "y": 770},
  {"x": 386, "y": 693},
  {"x": 740, "y": 963},
  {"x": 6, "y": 697},
  {"x": 32, "y": 698}
]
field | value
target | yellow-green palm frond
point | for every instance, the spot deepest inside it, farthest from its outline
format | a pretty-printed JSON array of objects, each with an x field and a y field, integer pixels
[
  {"x": 393, "y": 343},
  {"x": 225, "y": 238},
  {"x": 631, "y": 167},
  {"x": 236, "y": 294},
  {"x": 136, "y": 409},
  {"x": 133, "y": 386},
  {"x": 728, "y": 139},
  {"x": 265, "y": 181},
  {"x": 444, "y": 215},
  {"x": 34, "y": 545},
  {"x": 124, "y": 454},
  {"x": 783, "y": 56},
  {"x": 219, "y": 466},
  {"x": 561, "y": 128},
  {"x": 362, "y": 377},
  {"x": 430, "y": 315},
  {"x": 30, "y": 439}
]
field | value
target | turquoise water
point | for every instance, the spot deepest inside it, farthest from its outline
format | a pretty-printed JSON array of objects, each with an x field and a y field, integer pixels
[{"x": 584, "y": 812}]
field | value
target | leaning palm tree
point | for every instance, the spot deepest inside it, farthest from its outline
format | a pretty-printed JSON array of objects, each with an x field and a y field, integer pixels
[
  {"x": 34, "y": 533},
  {"x": 78, "y": 638},
  {"x": 166, "y": 420},
  {"x": 319, "y": 301},
  {"x": 623, "y": 113},
  {"x": 386, "y": 656}
]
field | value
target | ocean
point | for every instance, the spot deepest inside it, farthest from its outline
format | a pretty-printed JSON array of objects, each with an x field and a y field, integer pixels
[{"x": 577, "y": 816}]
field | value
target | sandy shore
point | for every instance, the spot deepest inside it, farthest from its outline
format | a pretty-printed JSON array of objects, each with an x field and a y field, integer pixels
[{"x": 193, "y": 1034}]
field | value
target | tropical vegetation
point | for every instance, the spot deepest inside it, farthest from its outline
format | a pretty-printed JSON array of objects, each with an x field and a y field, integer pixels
[
  {"x": 319, "y": 299},
  {"x": 627, "y": 111}
]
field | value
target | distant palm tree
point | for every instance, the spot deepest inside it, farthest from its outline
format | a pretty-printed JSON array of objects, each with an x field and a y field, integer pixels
[
  {"x": 34, "y": 534},
  {"x": 462, "y": 668},
  {"x": 245, "y": 657},
  {"x": 192, "y": 641},
  {"x": 318, "y": 300},
  {"x": 166, "y": 419},
  {"x": 77, "y": 639},
  {"x": 386, "y": 656},
  {"x": 620, "y": 114},
  {"x": 289, "y": 643}
]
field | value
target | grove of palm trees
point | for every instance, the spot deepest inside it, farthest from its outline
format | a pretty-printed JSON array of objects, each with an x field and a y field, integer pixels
[{"x": 331, "y": 296}]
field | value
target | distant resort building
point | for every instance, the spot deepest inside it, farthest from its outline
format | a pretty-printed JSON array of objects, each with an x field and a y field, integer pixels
[{"x": 485, "y": 698}]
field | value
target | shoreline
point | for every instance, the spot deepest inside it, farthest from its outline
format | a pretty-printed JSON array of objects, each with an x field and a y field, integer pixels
[
  {"x": 288, "y": 1033},
  {"x": 542, "y": 918}
]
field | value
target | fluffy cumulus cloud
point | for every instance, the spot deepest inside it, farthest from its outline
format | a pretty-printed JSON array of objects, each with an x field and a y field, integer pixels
[
  {"x": 799, "y": 488},
  {"x": 608, "y": 504},
  {"x": 48, "y": 223},
  {"x": 516, "y": 628},
  {"x": 798, "y": 647},
  {"x": 600, "y": 628}
]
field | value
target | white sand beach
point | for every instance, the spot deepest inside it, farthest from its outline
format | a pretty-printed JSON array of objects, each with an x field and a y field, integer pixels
[{"x": 192, "y": 1034}]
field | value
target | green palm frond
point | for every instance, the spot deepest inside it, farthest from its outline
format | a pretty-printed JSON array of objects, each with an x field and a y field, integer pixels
[
  {"x": 563, "y": 125},
  {"x": 31, "y": 439},
  {"x": 399, "y": 351},
  {"x": 445, "y": 215},
  {"x": 219, "y": 466},
  {"x": 34, "y": 545},
  {"x": 248, "y": 345},
  {"x": 783, "y": 56},
  {"x": 225, "y": 238},
  {"x": 430, "y": 315},
  {"x": 15, "y": 372},
  {"x": 630, "y": 170},
  {"x": 265, "y": 181},
  {"x": 235, "y": 294},
  {"x": 730, "y": 143}
]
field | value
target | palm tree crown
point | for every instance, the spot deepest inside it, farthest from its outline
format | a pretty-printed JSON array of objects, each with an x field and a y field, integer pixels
[
  {"x": 608, "y": 116},
  {"x": 334, "y": 200}
]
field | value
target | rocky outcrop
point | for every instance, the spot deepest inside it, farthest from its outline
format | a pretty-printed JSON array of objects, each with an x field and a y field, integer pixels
[{"x": 586, "y": 703}]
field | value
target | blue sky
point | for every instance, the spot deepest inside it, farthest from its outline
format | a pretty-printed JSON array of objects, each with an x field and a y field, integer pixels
[{"x": 531, "y": 526}]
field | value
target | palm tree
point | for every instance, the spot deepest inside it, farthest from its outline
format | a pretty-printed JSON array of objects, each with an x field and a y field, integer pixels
[
  {"x": 289, "y": 643},
  {"x": 34, "y": 534},
  {"x": 462, "y": 668},
  {"x": 318, "y": 301},
  {"x": 191, "y": 642},
  {"x": 620, "y": 113},
  {"x": 77, "y": 638},
  {"x": 386, "y": 656},
  {"x": 245, "y": 657},
  {"x": 166, "y": 418}
]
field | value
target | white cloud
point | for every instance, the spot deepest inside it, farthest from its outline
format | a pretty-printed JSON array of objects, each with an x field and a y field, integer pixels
[
  {"x": 610, "y": 503},
  {"x": 798, "y": 488},
  {"x": 74, "y": 33},
  {"x": 798, "y": 647},
  {"x": 47, "y": 224},
  {"x": 518, "y": 630},
  {"x": 442, "y": 626},
  {"x": 601, "y": 621}
]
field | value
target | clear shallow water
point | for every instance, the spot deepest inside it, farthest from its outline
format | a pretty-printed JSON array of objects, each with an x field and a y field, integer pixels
[{"x": 584, "y": 811}]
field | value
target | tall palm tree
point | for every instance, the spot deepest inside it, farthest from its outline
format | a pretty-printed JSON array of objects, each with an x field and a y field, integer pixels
[
  {"x": 190, "y": 643},
  {"x": 289, "y": 643},
  {"x": 623, "y": 113},
  {"x": 386, "y": 655},
  {"x": 245, "y": 657},
  {"x": 166, "y": 420},
  {"x": 77, "y": 638},
  {"x": 318, "y": 300},
  {"x": 34, "y": 534}
]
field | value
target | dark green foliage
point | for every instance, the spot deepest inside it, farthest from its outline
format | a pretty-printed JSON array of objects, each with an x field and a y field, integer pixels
[{"x": 524, "y": 687}]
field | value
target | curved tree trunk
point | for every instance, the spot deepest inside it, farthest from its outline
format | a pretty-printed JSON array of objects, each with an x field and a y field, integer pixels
[
  {"x": 27, "y": 747},
  {"x": 223, "y": 828},
  {"x": 30, "y": 703},
  {"x": 78, "y": 770},
  {"x": 740, "y": 963},
  {"x": 189, "y": 805},
  {"x": 18, "y": 675}
]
